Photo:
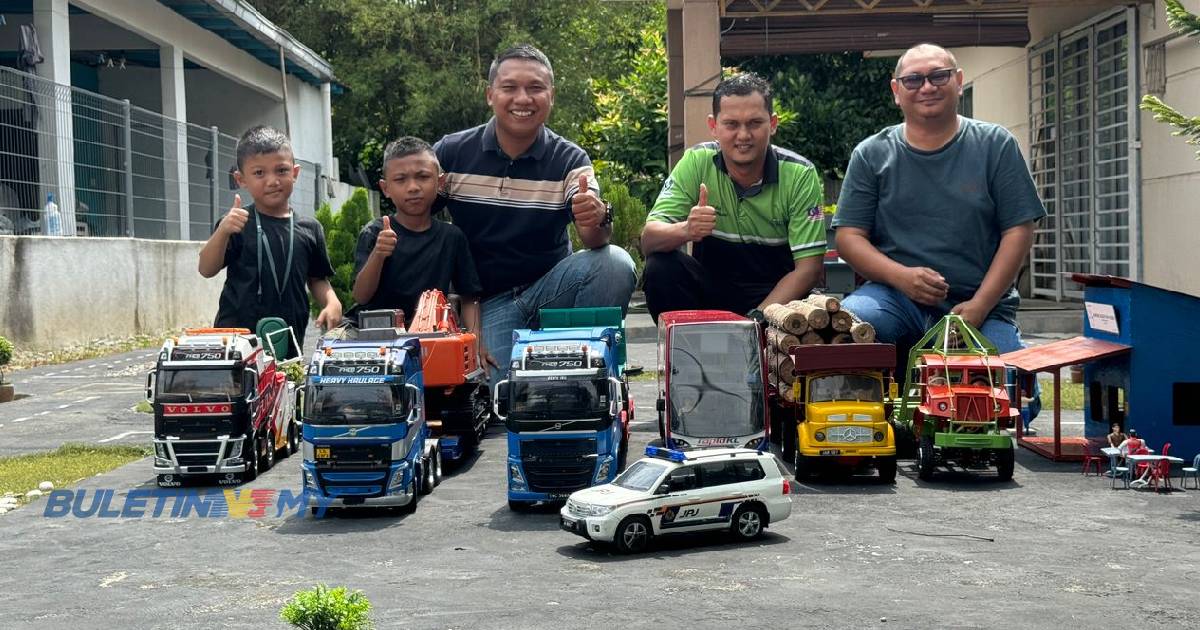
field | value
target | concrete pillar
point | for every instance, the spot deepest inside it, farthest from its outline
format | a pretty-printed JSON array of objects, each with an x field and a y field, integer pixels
[
  {"x": 327, "y": 128},
  {"x": 175, "y": 149},
  {"x": 701, "y": 66},
  {"x": 56, "y": 137},
  {"x": 675, "y": 143}
]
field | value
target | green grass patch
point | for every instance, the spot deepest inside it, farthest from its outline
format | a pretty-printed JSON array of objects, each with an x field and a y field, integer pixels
[
  {"x": 644, "y": 377},
  {"x": 1072, "y": 395},
  {"x": 24, "y": 359},
  {"x": 68, "y": 465},
  {"x": 143, "y": 406}
]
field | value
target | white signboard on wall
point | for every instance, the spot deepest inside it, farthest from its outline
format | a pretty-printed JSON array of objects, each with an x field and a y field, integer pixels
[{"x": 1102, "y": 317}]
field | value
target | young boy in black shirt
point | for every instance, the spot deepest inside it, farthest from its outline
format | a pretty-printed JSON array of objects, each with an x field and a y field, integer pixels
[
  {"x": 402, "y": 255},
  {"x": 270, "y": 255}
]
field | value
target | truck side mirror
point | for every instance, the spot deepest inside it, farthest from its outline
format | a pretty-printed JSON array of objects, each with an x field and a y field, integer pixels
[
  {"x": 150, "y": 385},
  {"x": 299, "y": 403},
  {"x": 414, "y": 400},
  {"x": 500, "y": 400},
  {"x": 893, "y": 389},
  {"x": 661, "y": 405},
  {"x": 251, "y": 379}
]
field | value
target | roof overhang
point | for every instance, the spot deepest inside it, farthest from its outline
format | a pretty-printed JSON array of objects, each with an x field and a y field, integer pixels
[
  {"x": 1059, "y": 354},
  {"x": 782, "y": 27}
]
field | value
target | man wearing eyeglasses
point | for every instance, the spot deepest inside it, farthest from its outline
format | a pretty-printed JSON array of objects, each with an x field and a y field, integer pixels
[{"x": 937, "y": 213}]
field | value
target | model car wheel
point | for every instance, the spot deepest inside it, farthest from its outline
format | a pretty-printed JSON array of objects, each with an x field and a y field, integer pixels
[
  {"x": 748, "y": 522},
  {"x": 251, "y": 457},
  {"x": 925, "y": 458},
  {"x": 788, "y": 438},
  {"x": 633, "y": 534},
  {"x": 803, "y": 467},
  {"x": 623, "y": 453},
  {"x": 887, "y": 469},
  {"x": 414, "y": 489},
  {"x": 437, "y": 467},
  {"x": 1005, "y": 459}
]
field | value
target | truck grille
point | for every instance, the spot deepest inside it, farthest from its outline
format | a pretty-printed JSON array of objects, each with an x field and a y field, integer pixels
[
  {"x": 201, "y": 428},
  {"x": 197, "y": 453},
  {"x": 558, "y": 466},
  {"x": 849, "y": 434},
  {"x": 356, "y": 457}
]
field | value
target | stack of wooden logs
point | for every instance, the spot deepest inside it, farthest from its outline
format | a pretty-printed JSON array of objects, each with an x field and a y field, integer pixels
[{"x": 817, "y": 319}]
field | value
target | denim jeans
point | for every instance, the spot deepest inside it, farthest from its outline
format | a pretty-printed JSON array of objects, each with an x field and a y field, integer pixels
[
  {"x": 594, "y": 277},
  {"x": 900, "y": 321}
]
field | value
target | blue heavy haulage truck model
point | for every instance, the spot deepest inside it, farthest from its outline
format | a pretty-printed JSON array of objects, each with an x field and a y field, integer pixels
[
  {"x": 366, "y": 441},
  {"x": 565, "y": 405}
]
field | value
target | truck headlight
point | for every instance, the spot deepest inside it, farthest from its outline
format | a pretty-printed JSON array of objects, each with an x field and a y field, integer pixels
[
  {"x": 603, "y": 469},
  {"x": 819, "y": 436},
  {"x": 309, "y": 481},
  {"x": 397, "y": 479},
  {"x": 516, "y": 480},
  {"x": 879, "y": 436},
  {"x": 160, "y": 450},
  {"x": 235, "y": 449}
]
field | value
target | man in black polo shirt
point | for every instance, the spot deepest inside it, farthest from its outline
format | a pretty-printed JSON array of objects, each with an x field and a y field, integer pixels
[
  {"x": 513, "y": 186},
  {"x": 751, "y": 210}
]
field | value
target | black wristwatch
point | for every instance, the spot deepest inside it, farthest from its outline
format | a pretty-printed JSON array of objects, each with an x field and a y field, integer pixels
[{"x": 608, "y": 214}]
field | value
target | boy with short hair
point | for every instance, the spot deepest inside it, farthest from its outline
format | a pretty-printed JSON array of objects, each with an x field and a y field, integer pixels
[
  {"x": 401, "y": 255},
  {"x": 270, "y": 255}
]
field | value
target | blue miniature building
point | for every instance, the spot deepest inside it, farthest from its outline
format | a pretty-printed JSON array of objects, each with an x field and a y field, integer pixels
[{"x": 1155, "y": 387}]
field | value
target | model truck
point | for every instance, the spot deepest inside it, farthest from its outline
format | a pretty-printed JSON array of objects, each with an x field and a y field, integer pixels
[
  {"x": 456, "y": 392},
  {"x": 366, "y": 440},
  {"x": 839, "y": 416},
  {"x": 711, "y": 381},
  {"x": 221, "y": 407},
  {"x": 565, "y": 406},
  {"x": 955, "y": 401}
]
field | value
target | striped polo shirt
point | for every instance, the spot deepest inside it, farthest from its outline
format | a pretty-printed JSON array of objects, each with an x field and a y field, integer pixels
[
  {"x": 760, "y": 230},
  {"x": 514, "y": 211}
]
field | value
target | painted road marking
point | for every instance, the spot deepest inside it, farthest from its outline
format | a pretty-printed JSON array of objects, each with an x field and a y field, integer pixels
[
  {"x": 123, "y": 435},
  {"x": 64, "y": 406},
  {"x": 41, "y": 413},
  {"x": 21, "y": 419},
  {"x": 83, "y": 400}
]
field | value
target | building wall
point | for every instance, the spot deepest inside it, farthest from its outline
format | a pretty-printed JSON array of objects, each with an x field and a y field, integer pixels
[
  {"x": 1170, "y": 170},
  {"x": 49, "y": 282}
]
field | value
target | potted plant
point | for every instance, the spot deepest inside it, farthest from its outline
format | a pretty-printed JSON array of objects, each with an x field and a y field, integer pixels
[
  {"x": 324, "y": 608},
  {"x": 6, "y": 352}
]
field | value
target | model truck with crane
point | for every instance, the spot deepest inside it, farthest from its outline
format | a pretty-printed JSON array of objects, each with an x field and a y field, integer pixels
[
  {"x": 366, "y": 440},
  {"x": 711, "y": 381},
  {"x": 222, "y": 407},
  {"x": 565, "y": 404},
  {"x": 955, "y": 401},
  {"x": 839, "y": 416}
]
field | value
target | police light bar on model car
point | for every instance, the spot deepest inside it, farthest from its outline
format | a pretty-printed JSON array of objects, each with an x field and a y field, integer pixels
[{"x": 665, "y": 453}]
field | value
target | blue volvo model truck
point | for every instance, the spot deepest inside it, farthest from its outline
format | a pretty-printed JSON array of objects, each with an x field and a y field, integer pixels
[
  {"x": 366, "y": 441},
  {"x": 565, "y": 405}
]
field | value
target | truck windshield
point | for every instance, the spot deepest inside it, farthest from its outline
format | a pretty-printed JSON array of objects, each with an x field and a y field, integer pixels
[
  {"x": 199, "y": 384},
  {"x": 640, "y": 476},
  {"x": 558, "y": 400},
  {"x": 716, "y": 380},
  {"x": 357, "y": 404},
  {"x": 845, "y": 387}
]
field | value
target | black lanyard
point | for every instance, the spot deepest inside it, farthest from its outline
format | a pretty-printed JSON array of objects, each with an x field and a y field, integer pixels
[{"x": 263, "y": 243}]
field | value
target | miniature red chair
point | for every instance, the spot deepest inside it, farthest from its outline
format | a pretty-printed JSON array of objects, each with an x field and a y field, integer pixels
[
  {"x": 1090, "y": 457},
  {"x": 1160, "y": 473}
]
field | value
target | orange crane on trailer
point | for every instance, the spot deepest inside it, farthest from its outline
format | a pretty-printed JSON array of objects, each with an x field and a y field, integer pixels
[{"x": 457, "y": 404}]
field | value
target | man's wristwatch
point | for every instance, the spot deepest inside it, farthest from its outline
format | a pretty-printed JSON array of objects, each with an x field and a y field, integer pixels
[{"x": 608, "y": 214}]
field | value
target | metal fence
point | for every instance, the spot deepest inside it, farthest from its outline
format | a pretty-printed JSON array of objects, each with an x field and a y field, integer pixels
[{"x": 114, "y": 169}]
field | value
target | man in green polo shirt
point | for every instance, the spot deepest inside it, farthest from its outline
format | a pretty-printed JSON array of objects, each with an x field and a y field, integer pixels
[{"x": 751, "y": 210}]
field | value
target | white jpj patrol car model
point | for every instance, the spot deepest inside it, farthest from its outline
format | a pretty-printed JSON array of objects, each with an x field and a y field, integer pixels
[{"x": 670, "y": 491}]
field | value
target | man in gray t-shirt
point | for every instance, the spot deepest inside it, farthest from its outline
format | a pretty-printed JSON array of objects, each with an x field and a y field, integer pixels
[{"x": 936, "y": 213}]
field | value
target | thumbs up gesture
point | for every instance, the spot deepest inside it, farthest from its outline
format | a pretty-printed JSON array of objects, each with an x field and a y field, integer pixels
[
  {"x": 234, "y": 221},
  {"x": 702, "y": 218},
  {"x": 586, "y": 206},
  {"x": 385, "y": 243}
]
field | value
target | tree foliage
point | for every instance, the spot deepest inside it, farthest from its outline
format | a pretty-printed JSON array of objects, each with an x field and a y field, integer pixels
[
  {"x": 1188, "y": 126},
  {"x": 341, "y": 237}
]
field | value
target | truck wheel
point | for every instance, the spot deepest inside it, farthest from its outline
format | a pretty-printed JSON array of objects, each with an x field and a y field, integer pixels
[
  {"x": 633, "y": 534},
  {"x": 427, "y": 481},
  {"x": 268, "y": 453},
  {"x": 518, "y": 506},
  {"x": 251, "y": 457},
  {"x": 776, "y": 425},
  {"x": 1005, "y": 459},
  {"x": 887, "y": 469},
  {"x": 748, "y": 522},
  {"x": 622, "y": 453},
  {"x": 925, "y": 458},
  {"x": 788, "y": 439},
  {"x": 803, "y": 467},
  {"x": 437, "y": 466},
  {"x": 415, "y": 492},
  {"x": 293, "y": 443}
]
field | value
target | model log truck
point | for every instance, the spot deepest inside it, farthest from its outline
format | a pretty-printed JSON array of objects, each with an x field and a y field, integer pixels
[
  {"x": 565, "y": 404},
  {"x": 955, "y": 401},
  {"x": 840, "y": 415},
  {"x": 366, "y": 441},
  {"x": 221, "y": 407},
  {"x": 711, "y": 381}
]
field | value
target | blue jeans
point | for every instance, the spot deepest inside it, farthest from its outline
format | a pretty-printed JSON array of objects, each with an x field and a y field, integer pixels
[
  {"x": 900, "y": 321},
  {"x": 594, "y": 277}
]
